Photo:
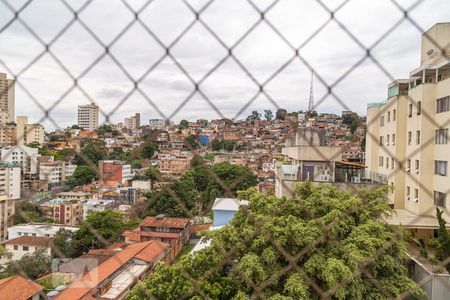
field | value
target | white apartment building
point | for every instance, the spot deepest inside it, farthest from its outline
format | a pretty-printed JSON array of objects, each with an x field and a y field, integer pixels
[
  {"x": 52, "y": 172},
  {"x": 7, "y": 94},
  {"x": 10, "y": 180},
  {"x": 157, "y": 124},
  {"x": 133, "y": 122},
  {"x": 7, "y": 210},
  {"x": 88, "y": 117},
  {"x": 29, "y": 133},
  {"x": 39, "y": 230},
  {"x": 407, "y": 137},
  {"x": 24, "y": 156}
]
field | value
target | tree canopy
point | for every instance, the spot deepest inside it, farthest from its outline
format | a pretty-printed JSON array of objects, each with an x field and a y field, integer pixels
[
  {"x": 32, "y": 265},
  {"x": 82, "y": 175},
  {"x": 327, "y": 239},
  {"x": 197, "y": 188}
]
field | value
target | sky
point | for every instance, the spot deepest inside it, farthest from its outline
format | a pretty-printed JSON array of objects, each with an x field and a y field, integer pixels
[{"x": 227, "y": 90}]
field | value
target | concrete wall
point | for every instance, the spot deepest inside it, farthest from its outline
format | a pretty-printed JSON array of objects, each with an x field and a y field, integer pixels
[
  {"x": 437, "y": 286},
  {"x": 223, "y": 217}
]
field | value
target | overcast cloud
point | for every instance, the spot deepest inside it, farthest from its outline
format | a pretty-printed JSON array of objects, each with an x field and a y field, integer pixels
[{"x": 331, "y": 54}]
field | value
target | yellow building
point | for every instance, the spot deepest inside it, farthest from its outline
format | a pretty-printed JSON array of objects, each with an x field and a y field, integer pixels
[{"x": 407, "y": 136}]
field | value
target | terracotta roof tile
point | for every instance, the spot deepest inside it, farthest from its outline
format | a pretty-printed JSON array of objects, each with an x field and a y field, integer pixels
[
  {"x": 165, "y": 222},
  {"x": 18, "y": 288},
  {"x": 83, "y": 288},
  {"x": 30, "y": 241}
]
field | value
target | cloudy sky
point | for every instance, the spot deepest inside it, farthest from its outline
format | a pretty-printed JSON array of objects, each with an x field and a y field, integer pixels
[{"x": 162, "y": 92}]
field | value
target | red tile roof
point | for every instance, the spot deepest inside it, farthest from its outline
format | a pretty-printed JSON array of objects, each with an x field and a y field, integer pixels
[
  {"x": 18, "y": 288},
  {"x": 165, "y": 222},
  {"x": 88, "y": 283},
  {"x": 39, "y": 241}
]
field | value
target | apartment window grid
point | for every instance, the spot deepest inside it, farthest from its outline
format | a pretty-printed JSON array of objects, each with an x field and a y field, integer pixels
[
  {"x": 419, "y": 108},
  {"x": 394, "y": 115},
  {"x": 410, "y": 110},
  {"x": 418, "y": 137},
  {"x": 198, "y": 20}
]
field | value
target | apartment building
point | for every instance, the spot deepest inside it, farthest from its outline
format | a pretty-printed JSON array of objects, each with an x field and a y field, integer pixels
[
  {"x": 157, "y": 124},
  {"x": 10, "y": 180},
  {"x": 7, "y": 210},
  {"x": 52, "y": 172},
  {"x": 29, "y": 133},
  {"x": 88, "y": 117},
  {"x": 114, "y": 171},
  {"x": 68, "y": 212},
  {"x": 7, "y": 94},
  {"x": 133, "y": 122},
  {"x": 174, "y": 163},
  {"x": 417, "y": 113},
  {"x": 8, "y": 134},
  {"x": 37, "y": 229},
  {"x": 24, "y": 156}
]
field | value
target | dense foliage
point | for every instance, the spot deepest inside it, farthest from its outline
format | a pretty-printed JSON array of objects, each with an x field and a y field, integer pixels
[
  {"x": 31, "y": 265},
  {"x": 27, "y": 212},
  {"x": 82, "y": 175},
  {"x": 280, "y": 246},
  {"x": 102, "y": 228},
  {"x": 196, "y": 190}
]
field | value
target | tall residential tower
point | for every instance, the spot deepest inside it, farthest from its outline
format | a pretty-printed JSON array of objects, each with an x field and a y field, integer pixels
[{"x": 88, "y": 117}]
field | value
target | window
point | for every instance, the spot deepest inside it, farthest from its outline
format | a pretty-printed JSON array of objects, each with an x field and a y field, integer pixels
[
  {"x": 418, "y": 137},
  {"x": 416, "y": 194},
  {"x": 387, "y": 139},
  {"x": 393, "y": 139},
  {"x": 410, "y": 110},
  {"x": 388, "y": 116},
  {"x": 417, "y": 165},
  {"x": 380, "y": 161},
  {"x": 25, "y": 248},
  {"x": 443, "y": 104},
  {"x": 440, "y": 167},
  {"x": 381, "y": 121},
  {"x": 408, "y": 192},
  {"x": 16, "y": 247},
  {"x": 392, "y": 163},
  {"x": 439, "y": 199},
  {"x": 408, "y": 165},
  {"x": 419, "y": 108},
  {"x": 387, "y": 162},
  {"x": 441, "y": 136},
  {"x": 409, "y": 137},
  {"x": 381, "y": 141}
]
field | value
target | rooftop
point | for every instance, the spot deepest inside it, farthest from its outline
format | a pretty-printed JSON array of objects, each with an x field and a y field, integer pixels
[
  {"x": 18, "y": 288},
  {"x": 87, "y": 285},
  {"x": 231, "y": 204},
  {"x": 162, "y": 221},
  {"x": 39, "y": 241}
]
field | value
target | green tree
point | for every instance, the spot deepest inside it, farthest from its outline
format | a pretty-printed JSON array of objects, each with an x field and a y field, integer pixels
[
  {"x": 191, "y": 142},
  {"x": 67, "y": 243},
  {"x": 27, "y": 212},
  {"x": 282, "y": 244},
  {"x": 101, "y": 228},
  {"x": 66, "y": 154},
  {"x": 104, "y": 129},
  {"x": 443, "y": 238},
  {"x": 268, "y": 115},
  {"x": 183, "y": 124},
  {"x": 82, "y": 175},
  {"x": 281, "y": 114},
  {"x": 32, "y": 265},
  {"x": 91, "y": 152},
  {"x": 255, "y": 115},
  {"x": 148, "y": 150}
]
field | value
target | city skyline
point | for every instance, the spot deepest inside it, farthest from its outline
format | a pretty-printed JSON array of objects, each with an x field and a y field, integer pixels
[{"x": 229, "y": 88}]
